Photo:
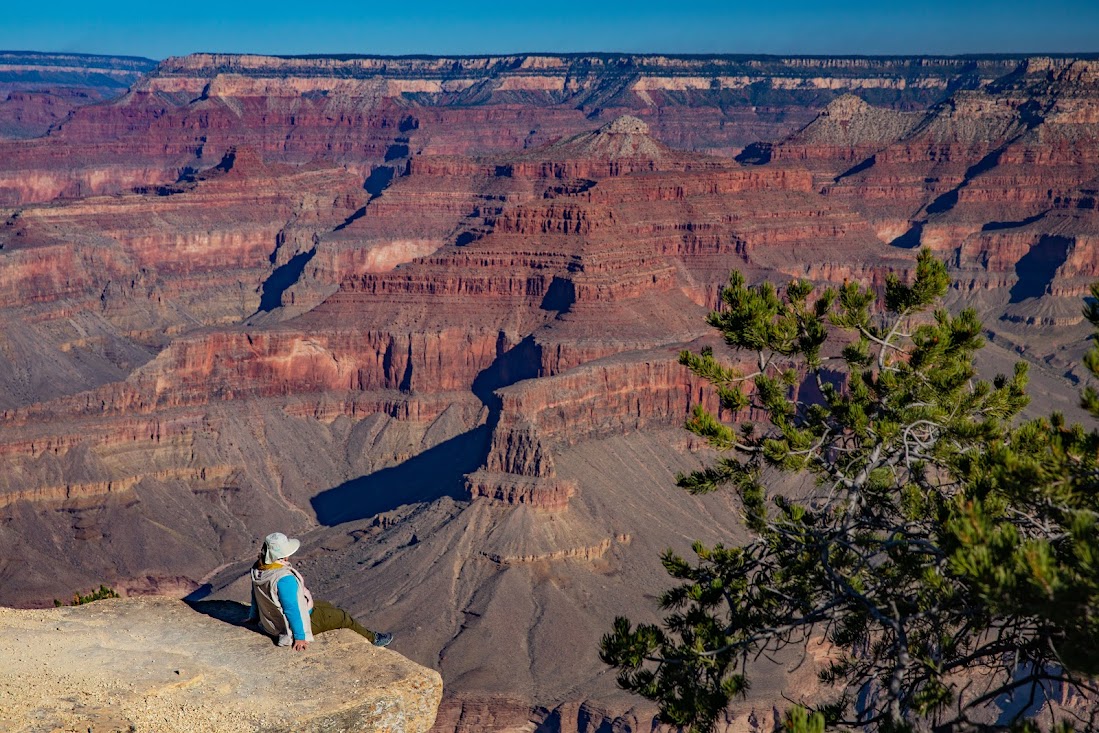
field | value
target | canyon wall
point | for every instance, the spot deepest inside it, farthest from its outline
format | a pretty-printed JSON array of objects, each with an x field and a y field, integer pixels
[
  {"x": 998, "y": 180},
  {"x": 39, "y": 90},
  {"x": 189, "y": 111}
]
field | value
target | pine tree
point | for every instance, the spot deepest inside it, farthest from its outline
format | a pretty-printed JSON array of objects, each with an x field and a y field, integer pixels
[{"x": 948, "y": 555}]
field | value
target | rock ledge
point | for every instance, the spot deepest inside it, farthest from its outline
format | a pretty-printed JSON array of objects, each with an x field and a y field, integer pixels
[{"x": 156, "y": 664}]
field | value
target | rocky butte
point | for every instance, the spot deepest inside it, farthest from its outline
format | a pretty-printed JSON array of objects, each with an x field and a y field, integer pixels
[{"x": 425, "y": 313}]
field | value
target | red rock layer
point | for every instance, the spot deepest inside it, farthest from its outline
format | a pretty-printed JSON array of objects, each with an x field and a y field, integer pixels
[
  {"x": 98, "y": 285},
  {"x": 462, "y": 274},
  {"x": 1001, "y": 180},
  {"x": 40, "y": 90},
  {"x": 30, "y": 113},
  {"x": 516, "y": 490},
  {"x": 365, "y": 111},
  {"x": 612, "y": 396}
]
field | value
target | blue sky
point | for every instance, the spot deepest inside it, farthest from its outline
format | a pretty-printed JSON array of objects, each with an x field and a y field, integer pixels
[{"x": 159, "y": 29}]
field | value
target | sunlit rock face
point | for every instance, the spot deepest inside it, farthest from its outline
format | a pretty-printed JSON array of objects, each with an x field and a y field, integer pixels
[
  {"x": 40, "y": 90},
  {"x": 1000, "y": 180},
  {"x": 426, "y": 313},
  {"x": 147, "y": 664},
  {"x": 189, "y": 111}
]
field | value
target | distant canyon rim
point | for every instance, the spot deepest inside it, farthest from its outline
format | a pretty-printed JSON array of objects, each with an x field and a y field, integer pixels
[{"x": 425, "y": 312}]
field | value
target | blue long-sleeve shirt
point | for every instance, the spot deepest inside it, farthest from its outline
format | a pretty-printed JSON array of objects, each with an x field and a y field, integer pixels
[{"x": 288, "y": 599}]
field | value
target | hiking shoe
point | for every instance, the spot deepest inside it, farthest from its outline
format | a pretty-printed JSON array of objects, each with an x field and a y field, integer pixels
[{"x": 383, "y": 638}]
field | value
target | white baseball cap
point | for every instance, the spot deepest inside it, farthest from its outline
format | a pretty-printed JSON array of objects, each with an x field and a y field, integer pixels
[{"x": 277, "y": 546}]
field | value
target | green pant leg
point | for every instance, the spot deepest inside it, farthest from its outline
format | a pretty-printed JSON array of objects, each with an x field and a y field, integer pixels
[{"x": 326, "y": 617}]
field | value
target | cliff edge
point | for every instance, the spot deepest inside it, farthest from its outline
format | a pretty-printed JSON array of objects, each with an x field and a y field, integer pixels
[{"x": 156, "y": 664}]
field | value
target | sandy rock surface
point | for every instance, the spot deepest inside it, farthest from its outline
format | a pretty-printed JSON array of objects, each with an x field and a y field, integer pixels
[{"x": 155, "y": 664}]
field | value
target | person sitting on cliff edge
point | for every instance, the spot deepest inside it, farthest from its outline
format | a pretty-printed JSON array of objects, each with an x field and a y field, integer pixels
[{"x": 285, "y": 608}]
